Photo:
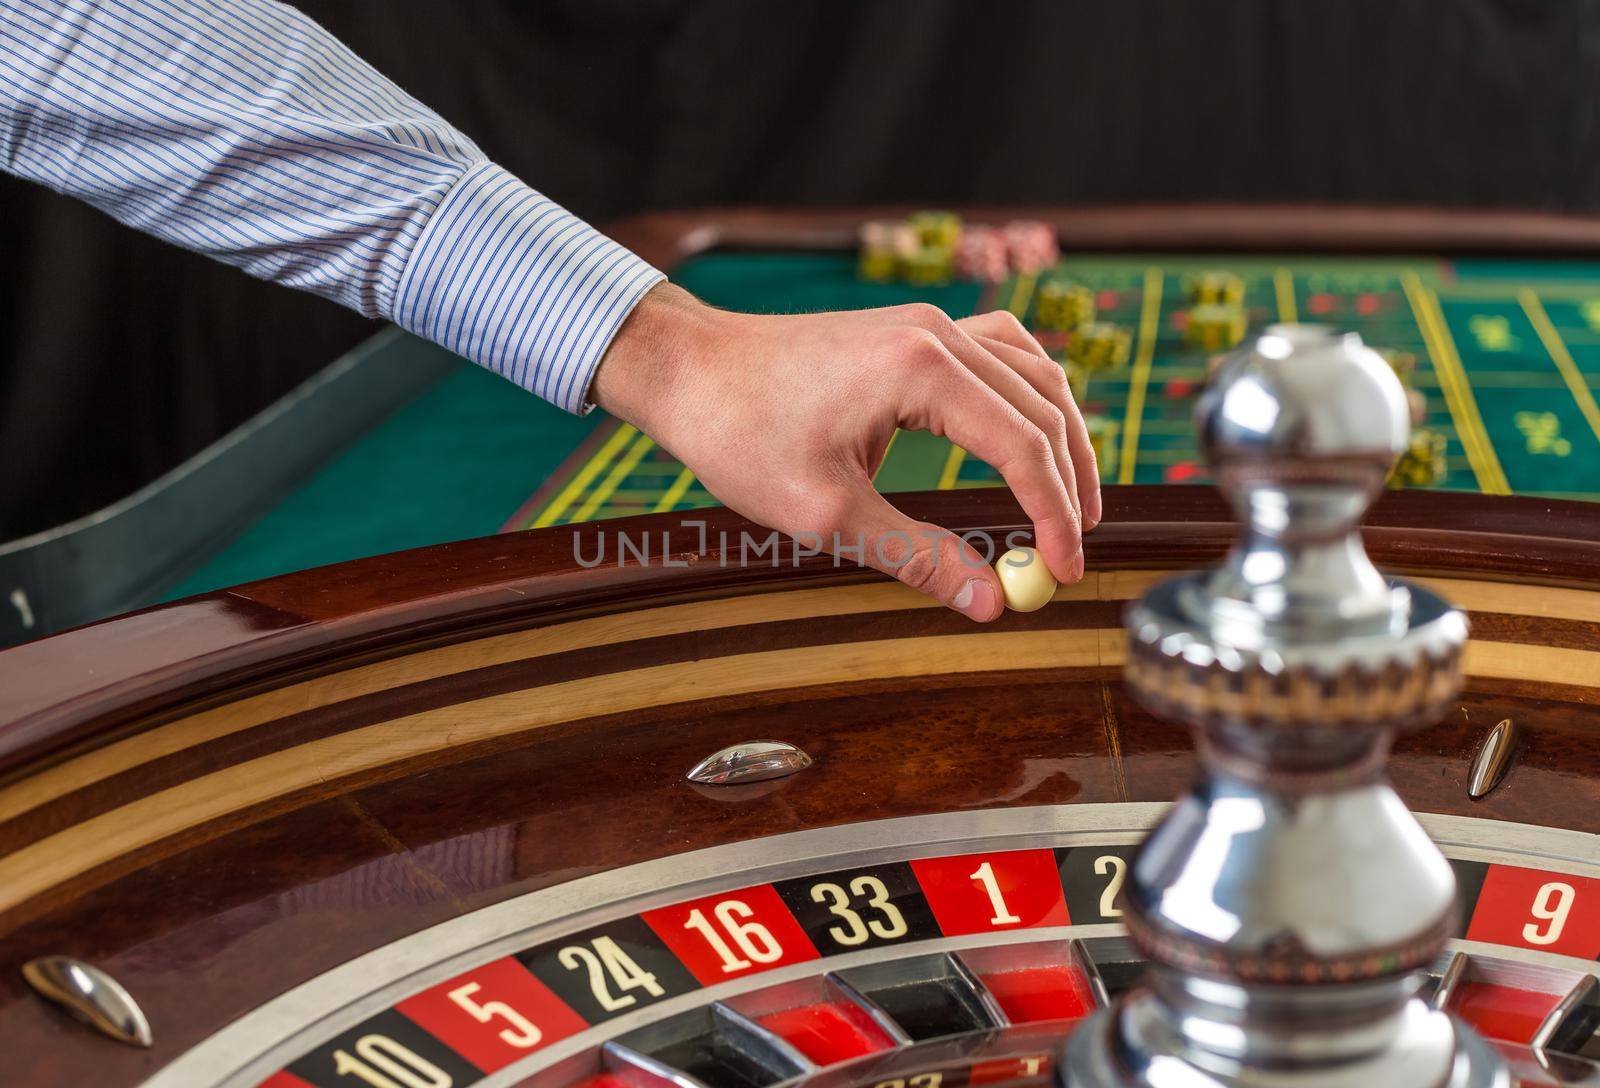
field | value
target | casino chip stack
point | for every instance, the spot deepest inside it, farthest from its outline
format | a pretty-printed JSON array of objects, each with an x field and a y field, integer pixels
[
  {"x": 936, "y": 230},
  {"x": 1031, "y": 246},
  {"x": 931, "y": 237},
  {"x": 1215, "y": 326},
  {"x": 1403, "y": 363},
  {"x": 981, "y": 255},
  {"x": 927, "y": 267},
  {"x": 1063, "y": 306},
  {"x": 878, "y": 259},
  {"x": 930, "y": 247},
  {"x": 1215, "y": 289},
  {"x": 1102, "y": 439},
  {"x": 1098, "y": 346},
  {"x": 1423, "y": 462},
  {"x": 1216, "y": 318},
  {"x": 919, "y": 250}
]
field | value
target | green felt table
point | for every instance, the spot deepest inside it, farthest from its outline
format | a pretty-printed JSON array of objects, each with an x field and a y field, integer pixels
[{"x": 1508, "y": 357}]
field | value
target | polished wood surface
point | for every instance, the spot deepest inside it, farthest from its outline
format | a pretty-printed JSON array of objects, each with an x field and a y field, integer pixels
[
  {"x": 665, "y": 238},
  {"x": 87, "y": 814},
  {"x": 88, "y": 685}
]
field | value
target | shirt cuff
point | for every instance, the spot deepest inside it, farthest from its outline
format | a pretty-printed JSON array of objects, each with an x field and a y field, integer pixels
[{"x": 513, "y": 281}]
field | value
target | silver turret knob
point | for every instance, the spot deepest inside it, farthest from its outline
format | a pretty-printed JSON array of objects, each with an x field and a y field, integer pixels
[
  {"x": 1289, "y": 901},
  {"x": 1297, "y": 628}
]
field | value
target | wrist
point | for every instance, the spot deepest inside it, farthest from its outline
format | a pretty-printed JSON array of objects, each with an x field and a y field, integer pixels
[{"x": 654, "y": 355}]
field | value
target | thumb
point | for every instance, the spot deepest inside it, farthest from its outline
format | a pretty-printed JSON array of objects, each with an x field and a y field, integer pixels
[{"x": 925, "y": 557}]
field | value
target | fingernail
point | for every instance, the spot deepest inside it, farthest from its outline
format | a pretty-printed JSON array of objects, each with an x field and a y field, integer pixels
[
  {"x": 1077, "y": 564},
  {"x": 1091, "y": 510},
  {"x": 977, "y": 600}
]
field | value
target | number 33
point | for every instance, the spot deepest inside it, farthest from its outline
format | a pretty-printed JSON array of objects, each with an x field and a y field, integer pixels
[{"x": 856, "y": 930}]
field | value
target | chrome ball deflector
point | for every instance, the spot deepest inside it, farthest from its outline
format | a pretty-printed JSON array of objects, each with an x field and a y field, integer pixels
[{"x": 1289, "y": 901}]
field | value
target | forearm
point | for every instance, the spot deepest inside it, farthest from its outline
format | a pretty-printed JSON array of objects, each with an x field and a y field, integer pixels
[{"x": 246, "y": 132}]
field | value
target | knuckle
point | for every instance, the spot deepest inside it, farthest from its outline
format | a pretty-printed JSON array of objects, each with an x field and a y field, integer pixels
[
  {"x": 916, "y": 345},
  {"x": 1055, "y": 421},
  {"x": 1005, "y": 319},
  {"x": 1033, "y": 446},
  {"x": 926, "y": 315},
  {"x": 918, "y": 568},
  {"x": 1054, "y": 378}
]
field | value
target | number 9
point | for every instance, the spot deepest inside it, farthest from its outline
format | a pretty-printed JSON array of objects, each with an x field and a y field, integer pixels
[{"x": 1555, "y": 913}]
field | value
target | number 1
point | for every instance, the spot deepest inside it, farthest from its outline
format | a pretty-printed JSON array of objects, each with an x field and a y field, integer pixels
[{"x": 1002, "y": 913}]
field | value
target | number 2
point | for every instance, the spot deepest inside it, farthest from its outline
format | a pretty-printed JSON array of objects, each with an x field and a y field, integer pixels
[
  {"x": 1002, "y": 913},
  {"x": 855, "y": 930},
  {"x": 1554, "y": 913},
  {"x": 609, "y": 958},
  {"x": 1119, "y": 872}
]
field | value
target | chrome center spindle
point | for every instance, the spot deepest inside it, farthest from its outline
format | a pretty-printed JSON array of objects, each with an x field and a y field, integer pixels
[{"x": 1289, "y": 903}]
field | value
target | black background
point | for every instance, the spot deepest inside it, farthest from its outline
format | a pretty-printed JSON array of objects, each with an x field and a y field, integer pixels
[{"x": 120, "y": 356}]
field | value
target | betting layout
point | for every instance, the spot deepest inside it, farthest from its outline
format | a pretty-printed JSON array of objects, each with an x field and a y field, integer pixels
[
  {"x": 1501, "y": 361},
  {"x": 458, "y": 1031}
]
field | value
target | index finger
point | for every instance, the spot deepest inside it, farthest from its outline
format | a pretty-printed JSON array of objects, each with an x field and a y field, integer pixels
[
  {"x": 1022, "y": 351},
  {"x": 984, "y": 423}
]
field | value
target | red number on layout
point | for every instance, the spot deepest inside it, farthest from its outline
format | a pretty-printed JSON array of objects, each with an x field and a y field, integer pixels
[
  {"x": 494, "y": 1014},
  {"x": 980, "y": 893},
  {"x": 733, "y": 934}
]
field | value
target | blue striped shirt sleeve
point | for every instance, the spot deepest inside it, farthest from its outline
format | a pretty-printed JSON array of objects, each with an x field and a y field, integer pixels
[{"x": 246, "y": 132}]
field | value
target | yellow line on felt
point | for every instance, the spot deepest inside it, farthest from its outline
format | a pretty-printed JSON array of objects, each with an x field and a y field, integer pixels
[
  {"x": 1283, "y": 284},
  {"x": 1579, "y": 291},
  {"x": 1499, "y": 485},
  {"x": 1457, "y": 391},
  {"x": 614, "y": 478},
  {"x": 1561, "y": 357},
  {"x": 887, "y": 450},
  {"x": 952, "y": 467},
  {"x": 587, "y": 473},
  {"x": 1149, "y": 326},
  {"x": 676, "y": 491},
  {"x": 1022, "y": 294}
]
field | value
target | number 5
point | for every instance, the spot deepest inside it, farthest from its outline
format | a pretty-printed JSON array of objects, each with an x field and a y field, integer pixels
[{"x": 522, "y": 1033}]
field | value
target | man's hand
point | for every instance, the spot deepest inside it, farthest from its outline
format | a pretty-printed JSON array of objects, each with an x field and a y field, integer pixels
[{"x": 786, "y": 419}]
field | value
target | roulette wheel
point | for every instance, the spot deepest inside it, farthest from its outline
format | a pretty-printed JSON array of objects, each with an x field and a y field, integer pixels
[{"x": 521, "y": 811}]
